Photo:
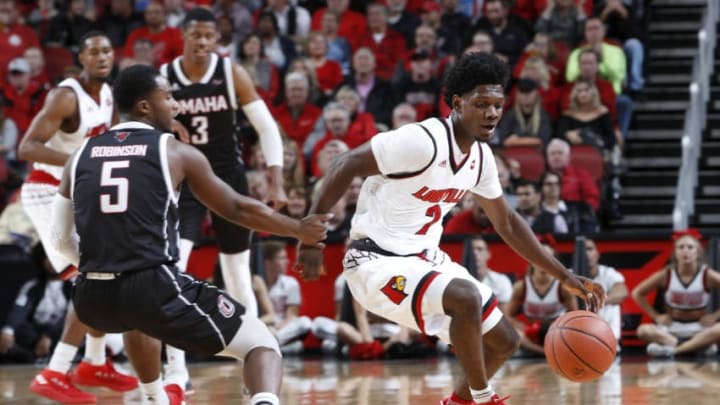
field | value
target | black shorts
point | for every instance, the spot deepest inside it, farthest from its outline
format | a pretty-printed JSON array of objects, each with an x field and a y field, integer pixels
[
  {"x": 163, "y": 303},
  {"x": 231, "y": 238}
]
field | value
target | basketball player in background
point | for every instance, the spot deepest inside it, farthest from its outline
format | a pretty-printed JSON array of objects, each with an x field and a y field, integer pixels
[
  {"x": 76, "y": 109},
  {"x": 128, "y": 237},
  {"x": 417, "y": 173},
  {"x": 209, "y": 90}
]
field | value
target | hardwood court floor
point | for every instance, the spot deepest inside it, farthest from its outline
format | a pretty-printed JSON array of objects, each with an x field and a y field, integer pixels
[{"x": 632, "y": 381}]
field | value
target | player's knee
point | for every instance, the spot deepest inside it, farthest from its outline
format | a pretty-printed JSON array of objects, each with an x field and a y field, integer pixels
[
  {"x": 503, "y": 339},
  {"x": 252, "y": 334},
  {"x": 462, "y": 298}
]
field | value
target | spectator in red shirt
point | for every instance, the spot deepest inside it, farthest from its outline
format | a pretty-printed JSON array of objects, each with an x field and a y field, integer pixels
[
  {"x": 469, "y": 222},
  {"x": 577, "y": 184},
  {"x": 536, "y": 70},
  {"x": 15, "y": 37},
  {"x": 420, "y": 88},
  {"x": 328, "y": 72},
  {"x": 554, "y": 54},
  {"x": 23, "y": 99},
  {"x": 337, "y": 123},
  {"x": 361, "y": 123},
  {"x": 385, "y": 42},
  {"x": 377, "y": 96},
  {"x": 353, "y": 25},
  {"x": 296, "y": 115},
  {"x": 167, "y": 41}
]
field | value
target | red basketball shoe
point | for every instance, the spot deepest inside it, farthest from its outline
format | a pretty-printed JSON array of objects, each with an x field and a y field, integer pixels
[
  {"x": 103, "y": 376},
  {"x": 57, "y": 387},
  {"x": 175, "y": 394},
  {"x": 454, "y": 400}
]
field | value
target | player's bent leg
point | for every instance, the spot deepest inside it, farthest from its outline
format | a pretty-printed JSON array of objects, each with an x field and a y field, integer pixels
[
  {"x": 262, "y": 371},
  {"x": 144, "y": 354},
  {"x": 237, "y": 275}
]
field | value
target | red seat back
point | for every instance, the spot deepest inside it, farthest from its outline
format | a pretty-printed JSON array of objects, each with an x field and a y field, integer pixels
[
  {"x": 531, "y": 159},
  {"x": 56, "y": 60},
  {"x": 589, "y": 158}
]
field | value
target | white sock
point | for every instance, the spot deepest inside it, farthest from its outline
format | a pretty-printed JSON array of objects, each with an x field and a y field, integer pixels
[
  {"x": 264, "y": 398},
  {"x": 238, "y": 280},
  {"x": 62, "y": 357},
  {"x": 114, "y": 341},
  {"x": 95, "y": 349},
  {"x": 154, "y": 393},
  {"x": 185, "y": 247},
  {"x": 176, "y": 371},
  {"x": 483, "y": 395}
]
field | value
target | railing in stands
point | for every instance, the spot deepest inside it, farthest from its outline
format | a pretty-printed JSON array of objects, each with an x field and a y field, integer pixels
[{"x": 695, "y": 117}]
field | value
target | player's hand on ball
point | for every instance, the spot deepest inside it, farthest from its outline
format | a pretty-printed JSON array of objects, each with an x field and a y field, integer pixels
[
  {"x": 309, "y": 262},
  {"x": 592, "y": 293}
]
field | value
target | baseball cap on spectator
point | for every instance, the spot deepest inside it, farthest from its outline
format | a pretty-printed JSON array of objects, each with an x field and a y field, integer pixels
[
  {"x": 420, "y": 54},
  {"x": 430, "y": 6},
  {"x": 526, "y": 85},
  {"x": 19, "y": 65}
]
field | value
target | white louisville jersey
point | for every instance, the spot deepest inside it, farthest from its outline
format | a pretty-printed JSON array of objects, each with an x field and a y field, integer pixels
[
  {"x": 95, "y": 118},
  {"x": 687, "y": 296},
  {"x": 424, "y": 175},
  {"x": 542, "y": 306}
]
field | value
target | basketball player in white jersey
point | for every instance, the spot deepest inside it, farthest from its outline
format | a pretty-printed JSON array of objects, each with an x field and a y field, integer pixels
[
  {"x": 685, "y": 325},
  {"x": 417, "y": 173},
  {"x": 77, "y": 109}
]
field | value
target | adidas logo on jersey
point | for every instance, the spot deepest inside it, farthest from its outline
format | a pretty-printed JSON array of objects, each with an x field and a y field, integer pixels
[{"x": 443, "y": 163}]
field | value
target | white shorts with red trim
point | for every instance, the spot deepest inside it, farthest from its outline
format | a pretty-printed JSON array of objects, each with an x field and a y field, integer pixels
[
  {"x": 408, "y": 290},
  {"x": 37, "y": 198}
]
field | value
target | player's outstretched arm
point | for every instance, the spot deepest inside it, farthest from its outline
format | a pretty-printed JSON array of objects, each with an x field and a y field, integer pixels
[
  {"x": 224, "y": 201},
  {"x": 516, "y": 233},
  {"x": 60, "y": 104}
]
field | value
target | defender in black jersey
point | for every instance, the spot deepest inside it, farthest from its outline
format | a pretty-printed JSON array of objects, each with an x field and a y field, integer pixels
[
  {"x": 209, "y": 90},
  {"x": 124, "y": 188}
]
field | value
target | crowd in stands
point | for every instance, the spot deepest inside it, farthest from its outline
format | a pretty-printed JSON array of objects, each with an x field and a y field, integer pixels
[{"x": 335, "y": 73}]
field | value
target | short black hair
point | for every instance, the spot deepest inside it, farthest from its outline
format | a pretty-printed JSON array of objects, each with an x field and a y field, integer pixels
[
  {"x": 527, "y": 183},
  {"x": 88, "y": 35},
  {"x": 133, "y": 84},
  {"x": 472, "y": 70},
  {"x": 198, "y": 14}
]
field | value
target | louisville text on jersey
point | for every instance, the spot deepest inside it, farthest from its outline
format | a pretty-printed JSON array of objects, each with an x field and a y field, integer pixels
[{"x": 448, "y": 195}]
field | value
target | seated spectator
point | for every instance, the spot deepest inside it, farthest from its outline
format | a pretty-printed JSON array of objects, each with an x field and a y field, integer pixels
[
  {"x": 622, "y": 26},
  {"x": 403, "y": 113},
  {"x": 482, "y": 42},
  {"x": 587, "y": 121},
  {"x": 69, "y": 26},
  {"x": 279, "y": 49},
  {"x": 477, "y": 264},
  {"x": 361, "y": 123},
  {"x": 337, "y": 122},
  {"x": 426, "y": 40},
  {"x": 509, "y": 39},
  {"x": 175, "y": 12},
  {"x": 8, "y": 136},
  {"x": 298, "y": 202},
  {"x": 167, "y": 41},
  {"x": 293, "y": 164},
  {"x": 16, "y": 228},
  {"x": 554, "y": 54},
  {"x": 352, "y": 194},
  {"x": 563, "y": 20},
  {"x": 227, "y": 42},
  {"x": 296, "y": 115},
  {"x": 38, "y": 73},
  {"x": 293, "y": 19},
  {"x": 450, "y": 40},
  {"x": 376, "y": 95},
  {"x": 35, "y": 322},
  {"x": 684, "y": 325},
  {"x": 303, "y": 65},
  {"x": 284, "y": 293},
  {"x": 264, "y": 74},
  {"x": 580, "y": 218},
  {"x": 351, "y": 24},
  {"x": 402, "y": 20},
  {"x": 325, "y": 155},
  {"x": 118, "y": 21},
  {"x": 257, "y": 180},
  {"x": 239, "y": 13},
  {"x": 613, "y": 65},
  {"x": 536, "y": 69},
  {"x": 40, "y": 17},
  {"x": 537, "y": 300},
  {"x": 143, "y": 54},
  {"x": 470, "y": 221},
  {"x": 526, "y": 123},
  {"x": 419, "y": 87},
  {"x": 16, "y": 36},
  {"x": 338, "y": 47},
  {"x": 614, "y": 284},
  {"x": 385, "y": 43},
  {"x": 328, "y": 72},
  {"x": 509, "y": 174},
  {"x": 530, "y": 209},
  {"x": 23, "y": 98},
  {"x": 577, "y": 184}
]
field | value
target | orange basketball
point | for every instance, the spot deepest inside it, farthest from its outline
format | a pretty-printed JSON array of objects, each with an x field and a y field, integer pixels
[{"x": 580, "y": 346}]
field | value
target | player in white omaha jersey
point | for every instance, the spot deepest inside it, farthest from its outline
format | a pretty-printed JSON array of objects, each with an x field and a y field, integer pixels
[
  {"x": 77, "y": 109},
  {"x": 685, "y": 326},
  {"x": 417, "y": 173}
]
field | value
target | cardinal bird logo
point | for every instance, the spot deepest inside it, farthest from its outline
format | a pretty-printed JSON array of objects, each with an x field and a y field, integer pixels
[
  {"x": 121, "y": 136},
  {"x": 395, "y": 289}
]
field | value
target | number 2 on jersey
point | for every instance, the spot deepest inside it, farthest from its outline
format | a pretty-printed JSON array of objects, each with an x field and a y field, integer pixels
[
  {"x": 121, "y": 184},
  {"x": 435, "y": 213},
  {"x": 199, "y": 128}
]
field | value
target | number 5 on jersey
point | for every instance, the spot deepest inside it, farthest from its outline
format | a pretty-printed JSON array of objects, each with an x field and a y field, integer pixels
[{"x": 121, "y": 185}]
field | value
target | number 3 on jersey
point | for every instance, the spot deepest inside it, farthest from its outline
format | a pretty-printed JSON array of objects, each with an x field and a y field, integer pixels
[
  {"x": 121, "y": 185},
  {"x": 199, "y": 129},
  {"x": 435, "y": 213}
]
